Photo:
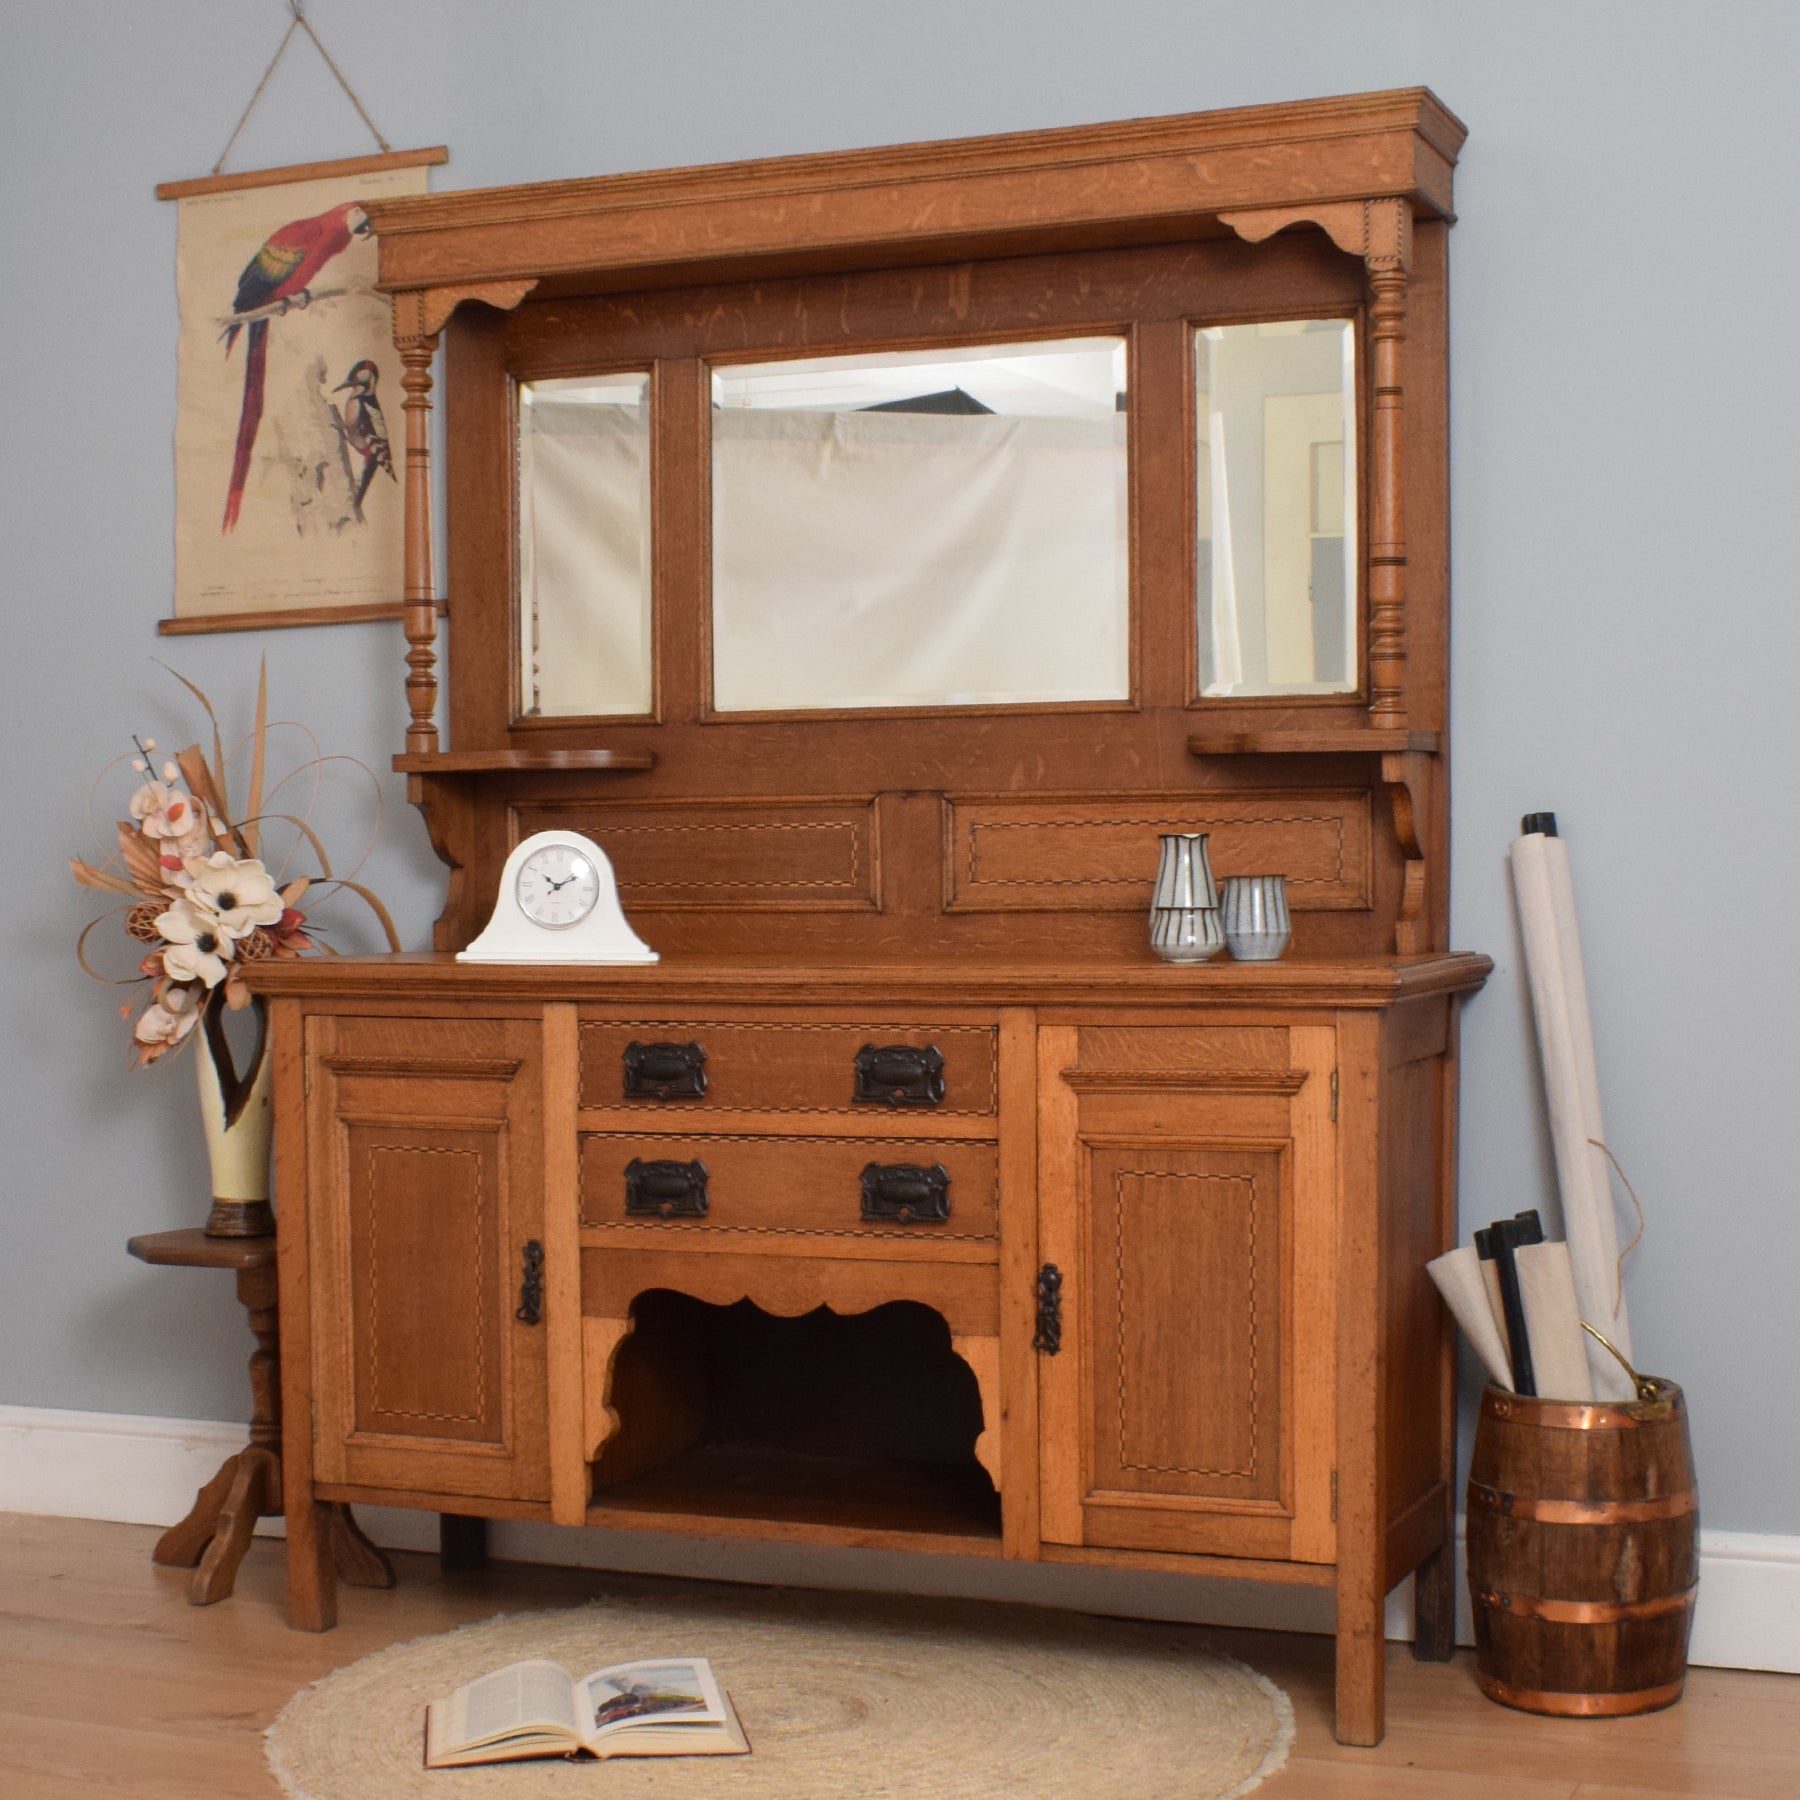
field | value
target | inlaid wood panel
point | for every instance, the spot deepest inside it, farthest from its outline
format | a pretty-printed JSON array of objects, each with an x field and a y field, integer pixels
[
  {"x": 762, "y": 855},
  {"x": 1189, "y": 1212},
  {"x": 792, "y": 1066},
  {"x": 427, "y": 1304},
  {"x": 426, "y": 1141},
  {"x": 1037, "y": 853},
  {"x": 1187, "y": 1311},
  {"x": 804, "y": 1192}
]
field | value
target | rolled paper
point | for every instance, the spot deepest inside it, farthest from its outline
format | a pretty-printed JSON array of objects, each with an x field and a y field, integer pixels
[
  {"x": 1541, "y": 880},
  {"x": 1458, "y": 1277},
  {"x": 1490, "y": 1279},
  {"x": 1553, "y": 1323}
]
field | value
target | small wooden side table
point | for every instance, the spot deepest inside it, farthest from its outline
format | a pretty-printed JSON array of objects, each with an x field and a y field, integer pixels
[{"x": 218, "y": 1528}]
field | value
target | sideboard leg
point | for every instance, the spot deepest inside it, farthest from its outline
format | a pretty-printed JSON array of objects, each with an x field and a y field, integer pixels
[
  {"x": 1434, "y": 1606},
  {"x": 1361, "y": 1664},
  {"x": 312, "y": 1574},
  {"x": 462, "y": 1543}
]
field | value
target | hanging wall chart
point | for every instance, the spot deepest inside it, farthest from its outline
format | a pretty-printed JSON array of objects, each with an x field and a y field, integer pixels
[{"x": 287, "y": 491}]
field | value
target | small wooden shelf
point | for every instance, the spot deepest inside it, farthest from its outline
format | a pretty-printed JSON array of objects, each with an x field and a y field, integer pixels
[
  {"x": 1313, "y": 741},
  {"x": 490, "y": 762},
  {"x": 737, "y": 1490}
]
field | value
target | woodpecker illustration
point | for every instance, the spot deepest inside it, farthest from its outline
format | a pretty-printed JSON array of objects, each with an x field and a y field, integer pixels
[
  {"x": 278, "y": 276},
  {"x": 364, "y": 427}
]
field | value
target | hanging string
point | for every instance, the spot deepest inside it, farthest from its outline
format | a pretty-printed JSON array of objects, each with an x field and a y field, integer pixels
[
  {"x": 298, "y": 22},
  {"x": 1636, "y": 1202}
]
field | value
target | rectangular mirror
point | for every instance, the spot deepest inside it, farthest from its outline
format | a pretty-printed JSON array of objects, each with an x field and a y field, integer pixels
[
  {"x": 928, "y": 528},
  {"x": 584, "y": 547},
  {"x": 1276, "y": 605}
]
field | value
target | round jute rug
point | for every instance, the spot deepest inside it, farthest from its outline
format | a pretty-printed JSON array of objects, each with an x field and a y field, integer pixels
[{"x": 843, "y": 1697}]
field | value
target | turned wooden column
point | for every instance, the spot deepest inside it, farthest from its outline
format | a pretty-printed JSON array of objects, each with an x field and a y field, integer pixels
[
  {"x": 1387, "y": 522},
  {"x": 416, "y": 338}
]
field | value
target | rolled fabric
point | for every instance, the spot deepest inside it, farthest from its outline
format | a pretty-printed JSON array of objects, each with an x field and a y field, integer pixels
[
  {"x": 1459, "y": 1279},
  {"x": 1553, "y": 1323},
  {"x": 1540, "y": 866}
]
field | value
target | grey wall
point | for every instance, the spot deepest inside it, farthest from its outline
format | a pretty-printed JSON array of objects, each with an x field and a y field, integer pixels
[{"x": 1625, "y": 465}]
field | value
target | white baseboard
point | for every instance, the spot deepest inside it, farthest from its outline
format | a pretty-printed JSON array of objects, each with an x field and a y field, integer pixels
[{"x": 143, "y": 1471}]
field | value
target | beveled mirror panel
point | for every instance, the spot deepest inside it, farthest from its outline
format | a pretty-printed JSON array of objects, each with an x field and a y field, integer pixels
[
  {"x": 1276, "y": 606},
  {"x": 935, "y": 528},
  {"x": 584, "y": 547}
]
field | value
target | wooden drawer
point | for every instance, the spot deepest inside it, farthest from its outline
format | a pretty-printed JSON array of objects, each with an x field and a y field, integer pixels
[
  {"x": 792, "y": 1066},
  {"x": 810, "y": 1187}
]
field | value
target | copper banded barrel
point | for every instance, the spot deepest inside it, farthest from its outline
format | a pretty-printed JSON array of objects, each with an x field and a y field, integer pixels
[{"x": 1583, "y": 1552}]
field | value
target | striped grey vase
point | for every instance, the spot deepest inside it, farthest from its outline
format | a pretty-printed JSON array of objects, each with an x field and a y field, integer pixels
[{"x": 1255, "y": 913}]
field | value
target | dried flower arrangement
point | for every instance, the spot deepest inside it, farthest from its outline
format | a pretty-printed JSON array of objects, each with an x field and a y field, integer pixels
[{"x": 203, "y": 899}]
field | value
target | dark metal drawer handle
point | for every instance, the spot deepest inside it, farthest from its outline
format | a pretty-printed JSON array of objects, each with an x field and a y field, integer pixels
[
  {"x": 666, "y": 1190},
  {"x": 899, "y": 1075},
  {"x": 531, "y": 1286},
  {"x": 906, "y": 1193},
  {"x": 664, "y": 1071}
]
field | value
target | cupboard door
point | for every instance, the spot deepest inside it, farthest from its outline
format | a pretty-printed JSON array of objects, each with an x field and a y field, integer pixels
[
  {"x": 426, "y": 1148},
  {"x": 1189, "y": 1212}
]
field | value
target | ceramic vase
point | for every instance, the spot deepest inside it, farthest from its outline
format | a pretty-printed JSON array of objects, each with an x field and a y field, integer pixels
[
  {"x": 237, "y": 1148},
  {"x": 1254, "y": 910},
  {"x": 1184, "y": 905}
]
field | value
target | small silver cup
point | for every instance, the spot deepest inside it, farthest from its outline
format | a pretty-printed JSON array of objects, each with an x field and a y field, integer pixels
[{"x": 1254, "y": 911}]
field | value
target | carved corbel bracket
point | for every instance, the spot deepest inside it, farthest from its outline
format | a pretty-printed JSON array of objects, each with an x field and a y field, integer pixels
[
  {"x": 1381, "y": 233},
  {"x": 420, "y": 315},
  {"x": 1406, "y": 775}
]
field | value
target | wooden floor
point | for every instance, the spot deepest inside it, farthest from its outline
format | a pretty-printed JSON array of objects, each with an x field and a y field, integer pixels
[{"x": 112, "y": 1685}]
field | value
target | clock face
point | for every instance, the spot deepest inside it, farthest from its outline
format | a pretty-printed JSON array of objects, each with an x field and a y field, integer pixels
[{"x": 557, "y": 886}]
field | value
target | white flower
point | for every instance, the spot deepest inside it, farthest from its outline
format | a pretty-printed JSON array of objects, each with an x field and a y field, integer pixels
[
  {"x": 158, "y": 1025},
  {"x": 197, "y": 946},
  {"x": 237, "y": 896},
  {"x": 165, "y": 812}
]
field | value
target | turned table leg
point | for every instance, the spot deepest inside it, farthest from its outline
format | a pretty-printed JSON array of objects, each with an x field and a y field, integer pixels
[{"x": 249, "y": 1486}]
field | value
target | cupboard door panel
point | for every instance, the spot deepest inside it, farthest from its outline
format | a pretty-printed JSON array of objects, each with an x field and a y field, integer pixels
[
  {"x": 1187, "y": 1310},
  {"x": 427, "y": 1152},
  {"x": 428, "y": 1312},
  {"x": 1190, "y": 1212}
]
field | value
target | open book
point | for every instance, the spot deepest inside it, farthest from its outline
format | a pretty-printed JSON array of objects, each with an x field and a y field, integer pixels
[{"x": 669, "y": 1708}]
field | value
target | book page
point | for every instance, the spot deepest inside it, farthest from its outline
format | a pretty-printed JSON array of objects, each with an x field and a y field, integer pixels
[
  {"x": 679, "y": 1691},
  {"x": 523, "y": 1694}
]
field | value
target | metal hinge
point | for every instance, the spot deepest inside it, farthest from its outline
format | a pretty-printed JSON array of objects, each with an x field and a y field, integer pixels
[
  {"x": 1334, "y": 1496},
  {"x": 1334, "y": 1093}
]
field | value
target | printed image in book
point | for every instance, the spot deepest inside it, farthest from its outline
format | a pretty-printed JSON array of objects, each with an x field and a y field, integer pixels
[{"x": 533, "y": 1708}]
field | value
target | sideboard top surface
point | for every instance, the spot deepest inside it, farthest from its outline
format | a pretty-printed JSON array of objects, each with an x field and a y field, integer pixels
[{"x": 1292, "y": 982}]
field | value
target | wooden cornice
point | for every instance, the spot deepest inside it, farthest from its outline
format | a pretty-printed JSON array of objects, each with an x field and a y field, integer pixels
[{"x": 1131, "y": 181}]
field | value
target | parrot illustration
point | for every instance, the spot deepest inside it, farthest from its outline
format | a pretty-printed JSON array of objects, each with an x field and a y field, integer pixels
[
  {"x": 365, "y": 427},
  {"x": 278, "y": 275}
]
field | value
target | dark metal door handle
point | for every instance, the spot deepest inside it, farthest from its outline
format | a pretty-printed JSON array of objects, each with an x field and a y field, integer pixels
[
  {"x": 531, "y": 1286},
  {"x": 1049, "y": 1310}
]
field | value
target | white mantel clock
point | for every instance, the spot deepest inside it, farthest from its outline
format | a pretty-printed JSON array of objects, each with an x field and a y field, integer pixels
[{"x": 558, "y": 903}]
